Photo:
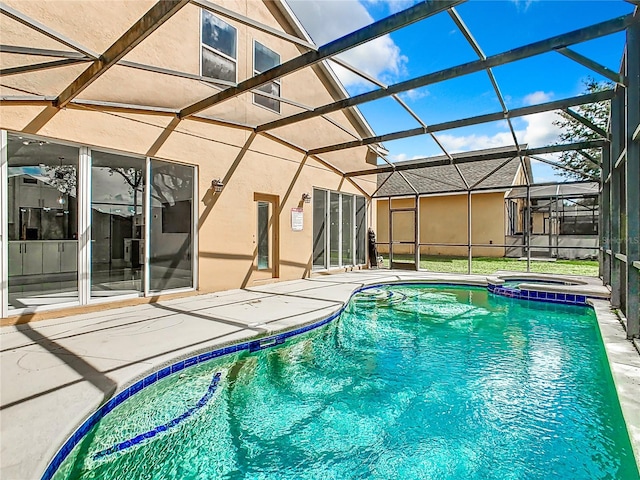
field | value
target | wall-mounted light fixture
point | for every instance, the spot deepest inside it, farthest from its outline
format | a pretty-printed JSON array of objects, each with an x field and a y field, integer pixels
[
  {"x": 217, "y": 185},
  {"x": 306, "y": 198}
]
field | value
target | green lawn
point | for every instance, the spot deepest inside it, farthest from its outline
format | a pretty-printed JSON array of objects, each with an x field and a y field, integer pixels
[{"x": 489, "y": 265}]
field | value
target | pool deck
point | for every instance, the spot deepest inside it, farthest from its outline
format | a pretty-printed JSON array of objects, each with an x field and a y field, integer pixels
[{"x": 55, "y": 373}]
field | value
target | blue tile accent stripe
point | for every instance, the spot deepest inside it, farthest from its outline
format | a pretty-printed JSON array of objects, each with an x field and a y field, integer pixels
[
  {"x": 251, "y": 346},
  {"x": 550, "y": 297},
  {"x": 165, "y": 427}
]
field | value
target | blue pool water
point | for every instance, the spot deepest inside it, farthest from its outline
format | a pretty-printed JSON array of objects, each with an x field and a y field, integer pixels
[{"x": 411, "y": 382}]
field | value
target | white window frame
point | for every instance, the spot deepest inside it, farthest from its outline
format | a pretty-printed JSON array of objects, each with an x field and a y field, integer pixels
[
  {"x": 276, "y": 81},
  {"x": 215, "y": 50}
]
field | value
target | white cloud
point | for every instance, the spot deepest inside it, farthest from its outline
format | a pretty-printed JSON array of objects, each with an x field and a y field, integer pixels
[
  {"x": 403, "y": 156},
  {"x": 393, "y": 6},
  {"x": 465, "y": 143},
  {"x": 415, "y": 94},
  {"x": 327, "y": 20},
  {"x": 537, "y": 97},
  {"x": 538, "y": 130}
]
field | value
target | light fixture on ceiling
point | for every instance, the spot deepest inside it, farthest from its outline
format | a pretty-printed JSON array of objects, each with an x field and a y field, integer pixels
[{"x": 217, "y": 185}]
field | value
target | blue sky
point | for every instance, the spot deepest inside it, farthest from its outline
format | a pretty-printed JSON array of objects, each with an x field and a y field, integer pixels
[{"x": 436, "y": 43}]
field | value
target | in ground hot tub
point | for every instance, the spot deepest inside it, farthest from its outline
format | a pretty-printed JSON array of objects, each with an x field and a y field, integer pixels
[{"x": 547, "y": 288}]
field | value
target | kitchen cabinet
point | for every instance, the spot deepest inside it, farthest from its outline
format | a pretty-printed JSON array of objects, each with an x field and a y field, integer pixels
[
  {"x": 51, "y": 257},
  {"x": 31, "y": 258},
  {"x": 68, "y": 256},
  {"x": 15, "y": 258},
  {"x": 42, "y": 257}
]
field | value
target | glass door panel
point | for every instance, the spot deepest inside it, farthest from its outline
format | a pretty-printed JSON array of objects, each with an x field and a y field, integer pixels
[
  {"x": 263, "y": 235},
  {"x": 171, "y": 226},
  {"x": 42, "y": 222},
  {"x": 361, "y": 230},
  {"x": 334, "y": 222},
  {"x": 117, "y": 224},
  {"x": 347, "y": 230},
  {"x": 319, "y": 229}
]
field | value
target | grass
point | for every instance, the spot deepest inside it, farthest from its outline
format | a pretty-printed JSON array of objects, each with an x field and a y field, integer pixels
[{"x": 489, "y": 265}]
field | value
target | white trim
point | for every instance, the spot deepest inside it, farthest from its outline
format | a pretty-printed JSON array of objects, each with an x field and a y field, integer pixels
[
  {"x": 147, "y": 226},
  {"x": 354, "y": 237},
  {"x": 153, "y": 293},
  {"x": 113, "y": 298},
  {"x": 4, "y": 228},
  {"x": 195, "y": 236},
  {"x": 68, "y": 143},
  {"x": 327, "y": 238},
  {"x": 83, "y": 183},
  {"x": 14, "y": 312}
]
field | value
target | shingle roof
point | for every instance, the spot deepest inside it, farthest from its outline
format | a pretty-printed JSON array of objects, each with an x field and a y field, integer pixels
[
  {"x": 587, "y": 189},
  {"x": 445, "y": 178}
]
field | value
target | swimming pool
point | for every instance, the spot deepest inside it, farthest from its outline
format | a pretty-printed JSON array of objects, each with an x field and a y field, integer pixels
[{"x": 410, "y": 382}]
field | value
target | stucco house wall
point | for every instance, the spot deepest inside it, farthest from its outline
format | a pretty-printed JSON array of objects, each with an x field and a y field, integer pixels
[
  {"x": 443, "y": 219},
  {"x": 250, "y": 164}
]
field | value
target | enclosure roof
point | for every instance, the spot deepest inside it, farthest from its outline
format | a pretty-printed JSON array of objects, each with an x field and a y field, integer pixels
[
  {"x": 559, "y": 190},
  {"x": 445, "y": 178}
]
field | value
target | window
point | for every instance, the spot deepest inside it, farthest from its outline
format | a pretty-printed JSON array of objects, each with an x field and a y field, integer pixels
[
  {"x": 263, "y": 235},
  {"x": 219, "y": 48},
  {"x": 265, "y": 59},
  {"x": 339, "y": 229}
]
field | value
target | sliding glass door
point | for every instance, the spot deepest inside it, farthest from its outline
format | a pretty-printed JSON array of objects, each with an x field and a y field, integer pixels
[
  {"x": 80, "y": 225},
  {"x": 339, "y": 229},
  {"x": 117, "y": 224},
  {"x": 171, "y": 226},
  {"x": 42, "y": 223},
  {"x": 319, "y": 228}
]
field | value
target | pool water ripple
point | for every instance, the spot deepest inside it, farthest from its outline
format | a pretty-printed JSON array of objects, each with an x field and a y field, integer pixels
[{"x": 450, "y": 382}]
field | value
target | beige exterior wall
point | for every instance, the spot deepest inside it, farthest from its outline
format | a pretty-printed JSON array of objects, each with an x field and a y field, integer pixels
[
  {"x": 174, "y": 45},
  {"x": 249, "y": 164},
  {"x": 443, "y": 219}
]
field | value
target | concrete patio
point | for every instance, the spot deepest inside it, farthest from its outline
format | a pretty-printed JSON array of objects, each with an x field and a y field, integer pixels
[{"x": 55, "y": 373}]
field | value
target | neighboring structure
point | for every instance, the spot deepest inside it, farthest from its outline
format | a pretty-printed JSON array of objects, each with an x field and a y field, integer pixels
[
  {"x": 443, "y": 207},
  {"x": 564, "y": 221},
  {"x": 115, "y": 184}
]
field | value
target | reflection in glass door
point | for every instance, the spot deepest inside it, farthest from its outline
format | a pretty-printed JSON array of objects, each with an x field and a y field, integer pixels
[
  {"x": 334, "y": 225},
  {"x": 263, "y": 235},
  {"x": 319, "y": 228},
  {"x": 117, "y": 224},
  {"x": 42, "y": 223},
  {"x": 170, "y": 226}
]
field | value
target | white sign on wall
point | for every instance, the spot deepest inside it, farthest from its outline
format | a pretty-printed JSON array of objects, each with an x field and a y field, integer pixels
[{"x": 297, "y": 219}]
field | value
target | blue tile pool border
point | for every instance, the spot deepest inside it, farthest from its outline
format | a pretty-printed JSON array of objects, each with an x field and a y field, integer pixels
[
  {"x": 271, "y": 341},
  {"x": 539, "y": 296}
]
